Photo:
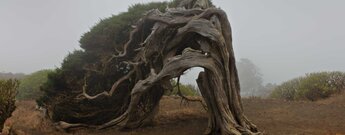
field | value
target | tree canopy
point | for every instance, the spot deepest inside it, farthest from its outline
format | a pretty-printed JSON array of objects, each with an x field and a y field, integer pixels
[{"x": 99, "y": 44}]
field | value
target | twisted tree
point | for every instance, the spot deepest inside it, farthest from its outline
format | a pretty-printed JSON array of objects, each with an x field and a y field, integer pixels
[{"x": 161, "y": 47}]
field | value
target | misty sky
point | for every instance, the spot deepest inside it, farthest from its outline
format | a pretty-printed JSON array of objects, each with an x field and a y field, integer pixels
[{"x": 284, "y": 38}]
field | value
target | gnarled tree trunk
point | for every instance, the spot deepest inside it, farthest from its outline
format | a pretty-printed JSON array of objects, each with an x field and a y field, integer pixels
[{"x": 194, "y": 35}]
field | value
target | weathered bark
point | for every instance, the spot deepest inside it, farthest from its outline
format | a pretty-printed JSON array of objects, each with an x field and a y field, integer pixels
[{"x": 175, "y": 41}]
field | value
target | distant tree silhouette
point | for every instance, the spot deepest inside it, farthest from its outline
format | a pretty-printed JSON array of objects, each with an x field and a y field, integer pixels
[{"x": 250, "y": 77}]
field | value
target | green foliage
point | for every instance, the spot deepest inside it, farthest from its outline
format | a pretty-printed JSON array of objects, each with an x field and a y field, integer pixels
[
  {"x": 175, "y": 3},
  {"x": 287, "y": 90},
  {"x": 113, "y": 32},
  {"x": 313, "y": 86},
  {"x": 29, "y": 87},
  {"x": 8, "y": 91},
  {"x": 99, "y": 44},
  {"x": 187, "y": 90}
]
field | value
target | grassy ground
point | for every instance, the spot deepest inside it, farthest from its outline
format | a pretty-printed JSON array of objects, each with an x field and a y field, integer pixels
[{"x": 273, "y": 117}]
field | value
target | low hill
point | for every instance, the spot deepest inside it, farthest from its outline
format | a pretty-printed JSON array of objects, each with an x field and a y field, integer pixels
[{"x": 5, "y": 76}]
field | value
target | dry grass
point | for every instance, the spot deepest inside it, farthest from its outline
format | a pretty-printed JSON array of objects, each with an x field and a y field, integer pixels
[{"x": 274, "y": 117}]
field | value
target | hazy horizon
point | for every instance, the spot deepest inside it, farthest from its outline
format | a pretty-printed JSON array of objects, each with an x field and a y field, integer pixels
[{"x": 285, "y": 39}]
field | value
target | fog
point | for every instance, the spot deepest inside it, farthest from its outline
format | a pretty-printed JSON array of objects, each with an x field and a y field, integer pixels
[{"x": 284, "y": 38}]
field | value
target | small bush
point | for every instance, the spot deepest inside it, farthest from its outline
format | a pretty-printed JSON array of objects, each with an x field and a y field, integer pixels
[
  {"x": 313, "y": 86},
  {"x": 186, "y": 90},
  {"x": 286, "y": 90},
  {"x": 8, "y": 91}
]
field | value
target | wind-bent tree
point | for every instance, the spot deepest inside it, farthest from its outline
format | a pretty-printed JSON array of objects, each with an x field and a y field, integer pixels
[
  {"x": 66, "y": 82},
  {"x": 161, "y": 47}
]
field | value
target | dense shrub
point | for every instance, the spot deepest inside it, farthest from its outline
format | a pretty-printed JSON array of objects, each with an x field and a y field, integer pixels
[
  {"x": 313, "y": 86},
  {"x": 29, "y": 87},
  {"x": 287, "y": 90},
  {"x": 8, "y": 90}
]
